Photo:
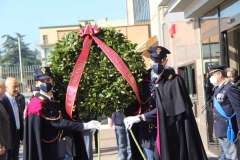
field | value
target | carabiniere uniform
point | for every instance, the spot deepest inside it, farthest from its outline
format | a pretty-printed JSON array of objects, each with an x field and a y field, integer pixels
[
  {"x": 46, "y": 132},
  {"x": 51, "y": 136}
]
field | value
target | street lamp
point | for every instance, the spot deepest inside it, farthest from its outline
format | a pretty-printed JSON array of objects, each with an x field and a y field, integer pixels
[{"x": 20, "y": 57}]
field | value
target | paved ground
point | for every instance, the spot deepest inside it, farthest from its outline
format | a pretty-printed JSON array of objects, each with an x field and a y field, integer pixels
[{"x": 108, "y": 146}]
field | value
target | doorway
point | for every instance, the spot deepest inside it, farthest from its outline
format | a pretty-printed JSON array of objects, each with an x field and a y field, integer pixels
[{"x": 233, "y": 47}]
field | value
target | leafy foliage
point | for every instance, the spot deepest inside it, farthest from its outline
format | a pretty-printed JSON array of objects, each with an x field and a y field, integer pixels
[
  {"x": 102, "y": 89},
  {"x": 10, "y": 53}
]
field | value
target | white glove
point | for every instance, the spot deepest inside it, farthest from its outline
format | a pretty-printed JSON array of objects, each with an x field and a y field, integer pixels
[
  {"x": 92, "y": 125},
  {"x": 129, "y": 121}
]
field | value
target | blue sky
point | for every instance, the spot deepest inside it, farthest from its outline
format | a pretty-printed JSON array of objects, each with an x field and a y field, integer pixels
[{"x": 26, "y": 16}]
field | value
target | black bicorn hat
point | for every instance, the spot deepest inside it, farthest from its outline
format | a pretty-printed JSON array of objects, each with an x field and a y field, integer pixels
[
  {"x": 215, "y": 68},
  {"x": 42, "y": 73},
  {"x": 157, "y": 53}
]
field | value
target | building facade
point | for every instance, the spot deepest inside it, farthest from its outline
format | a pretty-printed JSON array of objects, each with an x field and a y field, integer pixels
[
  {"x": 219, "y": 22},
  {"x": 199, "y": 33},
  {"x": 138, "y": 11},
  {"x": 51, "y": 34}
]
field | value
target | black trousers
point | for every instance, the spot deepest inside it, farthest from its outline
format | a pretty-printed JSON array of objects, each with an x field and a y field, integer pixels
[
  {"x": 3, "y": 157},
  {"x": 13, "y": 154}
]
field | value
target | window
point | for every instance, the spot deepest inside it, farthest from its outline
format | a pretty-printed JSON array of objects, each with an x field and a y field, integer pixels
[
  {"x": 233, "y": 48},
  {"x": 211, "y": 50},
  {"x": 47, "y": 52},
  {"x": 210, "y": 38},
  {"x": 45, "y": 39},
  {"x": 141, "y": 11},
  {"x": 188, "y": 74}
]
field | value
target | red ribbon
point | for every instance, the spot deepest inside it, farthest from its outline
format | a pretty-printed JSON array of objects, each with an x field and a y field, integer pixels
[{"x": 89, "y": 33}]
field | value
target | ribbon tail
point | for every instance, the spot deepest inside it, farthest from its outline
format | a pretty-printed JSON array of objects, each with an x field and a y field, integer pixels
[
  {"x": 120, "y": 66},
  {"x": 76, "y": 75}
]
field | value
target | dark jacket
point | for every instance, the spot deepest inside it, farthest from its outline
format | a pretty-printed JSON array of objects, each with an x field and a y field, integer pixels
[
  {"x": 228, "y": 95},
  {"x": 5, "y": 139},
  {"x": 16, "y": 135},
  {"x": 178, "y": 137}
]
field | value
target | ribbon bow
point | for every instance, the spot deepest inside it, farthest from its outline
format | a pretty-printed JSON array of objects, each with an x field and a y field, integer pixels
[
  {"x": 89, "y": 30},
  {"x": 89, "y": 33}
]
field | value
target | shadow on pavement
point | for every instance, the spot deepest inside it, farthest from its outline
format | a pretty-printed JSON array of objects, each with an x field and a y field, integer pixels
[{"x": 109, "y": 149}]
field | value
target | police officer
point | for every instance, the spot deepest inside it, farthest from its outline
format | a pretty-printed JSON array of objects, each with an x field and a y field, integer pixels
[
  {"x": 44, "y": 124},
  {"x": 147, "y": 126},
  {"x": 232, "y": 74},
  {"x": 226, "y": 102},
  {"x": 175, "y": 129}
]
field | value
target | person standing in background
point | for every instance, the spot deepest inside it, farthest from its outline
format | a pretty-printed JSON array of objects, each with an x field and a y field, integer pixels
[
  {"x": 123, "y": 143},
  {"x": 15, "y": 116},
  {"x": 226, "y": 102},
  {"x": 232, "y": 74},
  {"x": 5, "y": 139}
]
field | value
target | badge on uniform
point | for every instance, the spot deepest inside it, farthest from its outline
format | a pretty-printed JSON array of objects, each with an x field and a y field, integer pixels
[{"x": 220, "y": 97}]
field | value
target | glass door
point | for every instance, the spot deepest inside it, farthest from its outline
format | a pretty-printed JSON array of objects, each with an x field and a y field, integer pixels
[{"x": 233, "y": 47}]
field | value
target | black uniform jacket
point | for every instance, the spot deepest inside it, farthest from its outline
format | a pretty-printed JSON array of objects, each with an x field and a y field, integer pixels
[
  {"x": 178, "y": 131},
  {"x": 44, "y": 129},
  {"x": 228, "y": 96}
]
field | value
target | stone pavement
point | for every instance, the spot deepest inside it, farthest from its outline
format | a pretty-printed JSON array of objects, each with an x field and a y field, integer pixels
[{"x": 109, "y": 147}]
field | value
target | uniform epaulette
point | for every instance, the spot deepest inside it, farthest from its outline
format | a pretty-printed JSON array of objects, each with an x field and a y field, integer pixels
[
  {"x": 40, "y": 96},
  {"x": 169, "y": 73},
  {"x": 170, "y": 77},
  {"x": 52, "y": 118}
]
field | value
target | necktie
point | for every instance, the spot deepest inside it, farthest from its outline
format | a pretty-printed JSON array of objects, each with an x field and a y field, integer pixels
[{"x": 16, "y": 113}]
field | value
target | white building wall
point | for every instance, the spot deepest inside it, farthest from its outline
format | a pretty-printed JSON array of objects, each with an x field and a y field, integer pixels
[{"x": 154, "y": 19}]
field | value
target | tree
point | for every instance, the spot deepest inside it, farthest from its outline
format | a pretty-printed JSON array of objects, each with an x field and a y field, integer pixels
[
  {"x": 102, "y": 89},
  {"x": 10, "y": 52}
]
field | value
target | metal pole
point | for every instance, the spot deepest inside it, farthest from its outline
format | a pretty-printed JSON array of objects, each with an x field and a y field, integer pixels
[
  {"x": 20, "y": 58},
  {"x": 99, "y": 137}
]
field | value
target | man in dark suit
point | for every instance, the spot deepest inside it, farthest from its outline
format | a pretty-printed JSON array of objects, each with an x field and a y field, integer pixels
[
  {"x": 5, "y": 139},
  {"x": 15, "y": 113}
]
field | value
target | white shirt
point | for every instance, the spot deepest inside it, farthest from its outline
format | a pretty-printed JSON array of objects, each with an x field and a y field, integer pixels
[{"x": 14, "y": 108}]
